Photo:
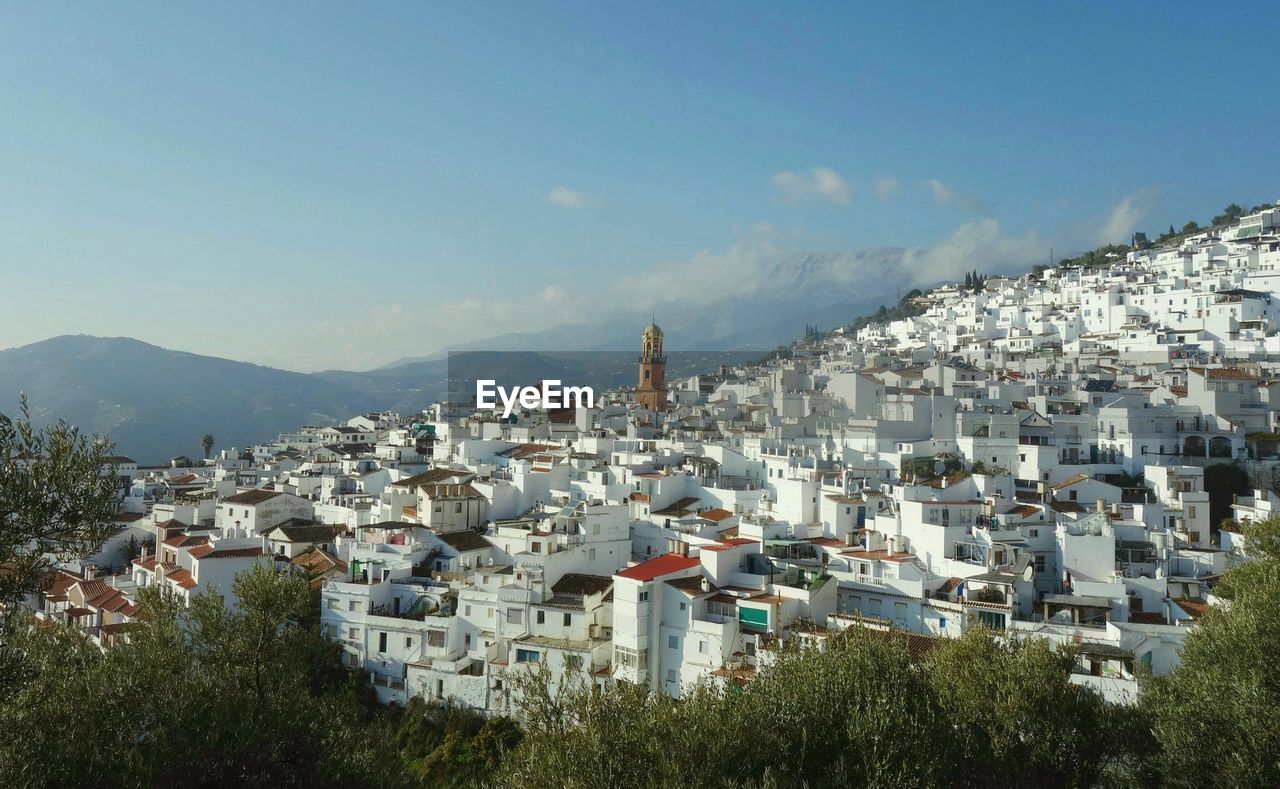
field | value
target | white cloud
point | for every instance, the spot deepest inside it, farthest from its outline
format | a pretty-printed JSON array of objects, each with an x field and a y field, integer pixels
[
  {"x": 886, "y": 188},
  {"x": 565, "y": 197},
  {"x": 820, "y": 183},
  {"x": 946, "y": 196},
  {"x": 746, "y": 268},
  {"x": 1124, "y": 218},
  {"x": 980, "y": 245},
  {"x": 706, "y": 276}
]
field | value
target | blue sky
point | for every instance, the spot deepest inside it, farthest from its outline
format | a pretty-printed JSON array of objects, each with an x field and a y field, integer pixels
[{"x": 326, "y": 185}]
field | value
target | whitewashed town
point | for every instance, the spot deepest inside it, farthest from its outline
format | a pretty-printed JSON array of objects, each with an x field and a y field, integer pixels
[{"x": 1022, "y": 453}]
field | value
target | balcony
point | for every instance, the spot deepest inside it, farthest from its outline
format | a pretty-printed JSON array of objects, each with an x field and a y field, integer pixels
[{"x": 386, "y": 681}]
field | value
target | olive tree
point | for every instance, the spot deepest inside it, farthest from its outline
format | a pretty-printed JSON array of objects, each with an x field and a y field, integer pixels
[{"x": 58, "y": 493}]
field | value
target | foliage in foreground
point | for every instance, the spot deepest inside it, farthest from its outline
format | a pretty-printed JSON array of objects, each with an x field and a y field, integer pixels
[
  {"x": 977, "y": 712},
  {"x": 1218, "y": 714},
  {"x": 255, "y": 697},
  {"x": 57, "y": 492}
]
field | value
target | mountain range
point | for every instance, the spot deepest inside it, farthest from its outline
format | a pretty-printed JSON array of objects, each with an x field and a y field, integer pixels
[{"x": 155, "y": 403}]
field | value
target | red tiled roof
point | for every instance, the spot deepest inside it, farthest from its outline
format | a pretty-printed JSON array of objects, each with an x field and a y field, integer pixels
[
  {"x": 57, "y": 591},
  {"x": 210, "y": 552},
  {"x": 182, "y": 578},
  {"x": 1194, "y": 608},
  {"x": 825, "y": 542},
  {"x": 658, "y": 566},
  {"x": 863, "y": 553},
  {"x": 716, "y": 514},
  {"x": 93, "y": 588},
  {"x": 1066, "y": 483},
  {"x": 186, "y": 540},
  {"x": 1225, "y": 373}
]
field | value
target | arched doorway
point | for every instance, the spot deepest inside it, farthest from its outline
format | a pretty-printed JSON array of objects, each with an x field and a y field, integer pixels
[{"x": 1193, "y": 446}]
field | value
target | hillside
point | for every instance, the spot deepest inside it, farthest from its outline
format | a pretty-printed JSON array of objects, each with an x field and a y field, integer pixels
[{"x": 156, "y": 403}]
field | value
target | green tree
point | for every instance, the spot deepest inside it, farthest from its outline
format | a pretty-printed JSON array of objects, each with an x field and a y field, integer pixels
[
  {"x": 58, "y": 492},
  {"x": 1218, "y": 714},
  {"x": 1190, "y": 227},
  {"x": 1229, "y": 215},
  {"x": 1018, "y": 719},
  {"x": 980, "y": 711},
  {"x": 206, "y": 443},
  {"x": 206, "y": 696}
]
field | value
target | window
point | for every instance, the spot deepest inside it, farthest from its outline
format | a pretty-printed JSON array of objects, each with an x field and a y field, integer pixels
[
  {"x": 333, "y": 605},
  {"x": 630, "y": 658},
  {"x": 527, "y": 656},
  {"x": 457, "y": 507},
  {"x": 1033, "y": 532},
  {"x": 408, "y": 642},
  {"x": 568, "y": 620},
  {"x": 671, "y": 675},
  {"x": 591, "y": 554},
  {"x": 703, "y": 647},
  {"x": 542, "y": 617},
  {"x": 351, "y": 605},
  {"x": 683, "y": 605},
  {"x": 515, "y": 616},
  {"x": 644, "y": 597},
  {"x": 991, "y": 619},
  {"x": 382, "y": 642},
  {"x": 467, "y": 611},
  {"x": 1039, "y": 563},
  {"x": 673, "y": 642},
  {"x": 353, "y": 633},
  {"x": 435, "y": 638}
]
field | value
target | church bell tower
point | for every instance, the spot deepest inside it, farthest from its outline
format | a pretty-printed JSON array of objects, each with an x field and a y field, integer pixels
[{"x": 651, "y": 392}]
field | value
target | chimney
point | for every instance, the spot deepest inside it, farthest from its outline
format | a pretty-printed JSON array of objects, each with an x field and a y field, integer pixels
[
  {"x": 1101, "y": 506},
  {"x": 706, "y": 587}
]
